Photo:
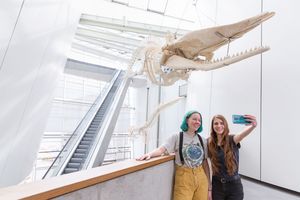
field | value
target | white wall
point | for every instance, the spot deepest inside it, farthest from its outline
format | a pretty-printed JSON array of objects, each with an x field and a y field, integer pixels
[
  {"x": 281, "y": 96},
  {"x": 142, "y": 114},
  {"x": 266, "y": 87},
  {"x": 236, "y": 89},
  {"x": 199, "y": 97},
  {"x": 36, "y": 36},
  {"x": 171, "y": 116},
  {"x": 139, "y": 118},
  {"x": 9, "y": 11}
]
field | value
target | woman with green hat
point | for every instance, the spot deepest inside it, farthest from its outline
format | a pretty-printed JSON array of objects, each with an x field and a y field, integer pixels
[{"x": 192, "y": 173}]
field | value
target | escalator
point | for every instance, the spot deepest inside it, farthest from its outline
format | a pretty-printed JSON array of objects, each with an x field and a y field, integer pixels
[{"x": 88, "y": 144}]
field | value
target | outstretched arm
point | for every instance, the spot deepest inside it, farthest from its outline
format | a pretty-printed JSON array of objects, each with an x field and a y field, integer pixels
[
  {"x": 251, "y": 126},
  {"x": 156, "y": 152}
]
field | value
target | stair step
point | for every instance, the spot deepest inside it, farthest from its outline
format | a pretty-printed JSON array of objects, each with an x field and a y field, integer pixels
[
  {"x": 87, "y": 138},
  {"x": 85, "y": 143},
  {"x": 97, "y": 119},
  {"x": 90, "y": 133},
  {"x": 73, "y": 165},
  {"x": 70, "y": 170},
  {"x": 81, "y": 151},
  {"x": 79, "y": 155},
  {"x": 79, "y": 160},
  {"x": 83, "y": 146}
]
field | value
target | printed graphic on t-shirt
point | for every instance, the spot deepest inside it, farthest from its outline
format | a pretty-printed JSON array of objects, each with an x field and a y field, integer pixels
[{"x": 193, "y": 155}]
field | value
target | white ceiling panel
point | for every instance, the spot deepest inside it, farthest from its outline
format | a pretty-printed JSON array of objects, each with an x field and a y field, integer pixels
[
  {"x": 142, "y": 4},
  {"x": 157, "y": 6}
]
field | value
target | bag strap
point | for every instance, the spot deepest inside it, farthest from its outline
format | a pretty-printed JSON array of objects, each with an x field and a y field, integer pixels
[
  {"x": 180, "y": 147},
  {"x": 201, "y": 141},
  {"x": 181, "y": 143}
]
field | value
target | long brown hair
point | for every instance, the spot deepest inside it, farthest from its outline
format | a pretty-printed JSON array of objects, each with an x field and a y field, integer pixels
[{"x": 230, "y": 161}]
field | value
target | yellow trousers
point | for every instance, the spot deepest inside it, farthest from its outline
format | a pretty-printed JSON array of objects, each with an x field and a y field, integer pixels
[{"x": 190, "y": 184}]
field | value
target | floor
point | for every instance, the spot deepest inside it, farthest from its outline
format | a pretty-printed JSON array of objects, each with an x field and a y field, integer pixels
[{"x": 257, "y": 191}]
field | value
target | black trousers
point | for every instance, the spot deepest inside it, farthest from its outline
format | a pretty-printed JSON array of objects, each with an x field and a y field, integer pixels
[{"x": 227, "y": 190}]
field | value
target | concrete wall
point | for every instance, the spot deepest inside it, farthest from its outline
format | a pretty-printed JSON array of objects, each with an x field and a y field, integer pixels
[
  {"x": 34, "y": 39},
  {"x": 147, "y": 184}
]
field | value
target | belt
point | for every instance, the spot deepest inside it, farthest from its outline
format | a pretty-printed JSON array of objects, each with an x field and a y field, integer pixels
[{"x": 227, "y": 179}]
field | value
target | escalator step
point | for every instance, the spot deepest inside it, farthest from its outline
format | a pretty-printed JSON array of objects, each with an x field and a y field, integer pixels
[
  {"x": 83, "y": 146},
  {"x": 85, "y": 143},
  {"x": 89, "y": 134},
  {"x": 78, "y": 155},
  {"x": 87, "y": 138},
  {"x": 81, "y": 151},
  {"x": 70, "y": 170},
  {"x": 79, "y": 160},
  {"x": 73, "y": 165}
]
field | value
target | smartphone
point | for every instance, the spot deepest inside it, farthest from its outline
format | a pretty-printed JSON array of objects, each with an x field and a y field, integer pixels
[{"x": 239, "y": 119}]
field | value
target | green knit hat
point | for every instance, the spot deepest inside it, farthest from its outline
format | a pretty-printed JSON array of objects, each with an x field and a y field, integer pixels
[{"x": 184, "y": 125}]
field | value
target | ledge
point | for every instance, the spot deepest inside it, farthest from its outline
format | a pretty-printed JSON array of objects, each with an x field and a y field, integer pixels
[{"x": 60, "y": 185}]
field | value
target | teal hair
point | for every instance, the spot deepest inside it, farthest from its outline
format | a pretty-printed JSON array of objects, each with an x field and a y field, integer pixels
[{"x": 184, "y": 125}]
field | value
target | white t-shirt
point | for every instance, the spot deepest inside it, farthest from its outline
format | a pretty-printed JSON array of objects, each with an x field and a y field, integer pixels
[{"x": 192, "y": 151}]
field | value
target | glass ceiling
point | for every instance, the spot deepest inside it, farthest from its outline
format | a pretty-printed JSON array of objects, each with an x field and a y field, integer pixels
[{"x": 111, "y": 30}]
